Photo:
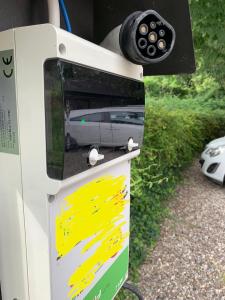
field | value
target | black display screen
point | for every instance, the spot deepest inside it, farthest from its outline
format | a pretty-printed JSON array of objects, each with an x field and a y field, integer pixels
[{"x": 87, "y": 108}]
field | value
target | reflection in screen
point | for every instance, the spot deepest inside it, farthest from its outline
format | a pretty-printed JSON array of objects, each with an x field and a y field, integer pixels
[
  {"x": 88, "y": 108},
  {"x": 105, "y": 127}
]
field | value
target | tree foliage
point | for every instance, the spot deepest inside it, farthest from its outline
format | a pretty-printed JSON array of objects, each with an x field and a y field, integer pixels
[
  {"x": 209, "y": 40},
  {"x": 209, "y": 36}
]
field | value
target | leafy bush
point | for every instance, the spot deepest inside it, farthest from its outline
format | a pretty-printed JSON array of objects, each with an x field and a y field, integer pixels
[
  {"x": 175, "y": 132},
  {"x": 173, "y": 137},
  {"x": 208, "y": 26}
]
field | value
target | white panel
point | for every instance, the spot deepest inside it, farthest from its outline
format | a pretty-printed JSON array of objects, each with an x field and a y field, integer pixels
[
  {"x": 13, "y": 272},
  {"x": 62, "y": 269},
  {"x": 13, "y": 268},
  {"x": 33, "y": 46},
  {"x": 87, "y": 53}
]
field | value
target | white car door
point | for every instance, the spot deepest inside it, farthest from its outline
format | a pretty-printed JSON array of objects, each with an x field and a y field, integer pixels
[
  {"x": 126, "y": 125},
  {"x": 106, "y": 131},
  {"x": 85, "y": 130}
]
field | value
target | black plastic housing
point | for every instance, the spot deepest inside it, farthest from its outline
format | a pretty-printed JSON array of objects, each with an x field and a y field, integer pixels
[
  {"x": 111, "y": 13},
  {"x": 87, "y": 108},
  {"x": 137, "y": 46},
  {"x": 94, "y": 19}
]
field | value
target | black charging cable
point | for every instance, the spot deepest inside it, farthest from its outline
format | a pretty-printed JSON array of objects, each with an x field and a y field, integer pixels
[{"x": 133, "y": 289}]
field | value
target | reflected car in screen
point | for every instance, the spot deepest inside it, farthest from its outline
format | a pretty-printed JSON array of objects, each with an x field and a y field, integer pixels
[{"x": 106, "y": 127}]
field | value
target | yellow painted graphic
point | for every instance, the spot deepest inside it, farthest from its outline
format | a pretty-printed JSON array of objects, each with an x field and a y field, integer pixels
[{"x": 93, "y": 213}]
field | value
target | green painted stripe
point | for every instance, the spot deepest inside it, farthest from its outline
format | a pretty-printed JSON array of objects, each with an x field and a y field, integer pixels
[{"x": 112, "y": 281}]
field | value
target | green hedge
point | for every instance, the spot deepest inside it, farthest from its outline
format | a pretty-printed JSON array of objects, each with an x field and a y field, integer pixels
[
  {"x": 175, "y": 133},
  {"x": 172, "y": 140},
  {"x": 190, "y": 113}
]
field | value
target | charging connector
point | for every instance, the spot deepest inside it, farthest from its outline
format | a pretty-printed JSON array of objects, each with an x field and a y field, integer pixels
[
  {"x": 146, "y": 38},
  {"x": 143, "y": 38}
]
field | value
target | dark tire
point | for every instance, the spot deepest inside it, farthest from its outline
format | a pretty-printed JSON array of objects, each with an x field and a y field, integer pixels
[{"x": 68, "y": 142}]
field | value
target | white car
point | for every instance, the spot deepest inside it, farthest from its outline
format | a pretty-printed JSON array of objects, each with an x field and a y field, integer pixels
[
  {"x": 107, "y": 127},
  {"x": 213, "y": 160}
]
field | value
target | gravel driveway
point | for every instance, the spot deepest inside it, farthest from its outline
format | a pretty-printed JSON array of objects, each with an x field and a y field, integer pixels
[{"x": 189, "y": 259}]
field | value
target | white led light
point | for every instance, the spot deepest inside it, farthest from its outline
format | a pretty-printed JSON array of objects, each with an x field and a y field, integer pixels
[
  {"x": 153, "y": 25},
  {"x": 162, "y": 44},
  {"x": 143, "y": 29},
  {"x": 152, "y": 37},
  {"x": 162, "y": 33}
]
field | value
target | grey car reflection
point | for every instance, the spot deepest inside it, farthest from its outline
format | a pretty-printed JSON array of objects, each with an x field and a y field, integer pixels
[{"x": 107, "y": 127}]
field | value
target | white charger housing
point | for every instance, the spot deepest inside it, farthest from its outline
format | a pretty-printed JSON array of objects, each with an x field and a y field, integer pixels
[{"x": 36, "y": 261}]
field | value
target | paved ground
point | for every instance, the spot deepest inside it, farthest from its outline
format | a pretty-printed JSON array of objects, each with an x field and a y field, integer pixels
[{"x": 189, "y": 259}]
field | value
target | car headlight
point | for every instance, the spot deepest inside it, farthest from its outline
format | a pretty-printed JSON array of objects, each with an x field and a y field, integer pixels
[{"x": 213, "y": 152}]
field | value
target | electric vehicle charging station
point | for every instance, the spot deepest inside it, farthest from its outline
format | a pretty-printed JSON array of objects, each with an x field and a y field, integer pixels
[
  {"x": 71, "y": 121},
  {"x": 76, "y": 214}
]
